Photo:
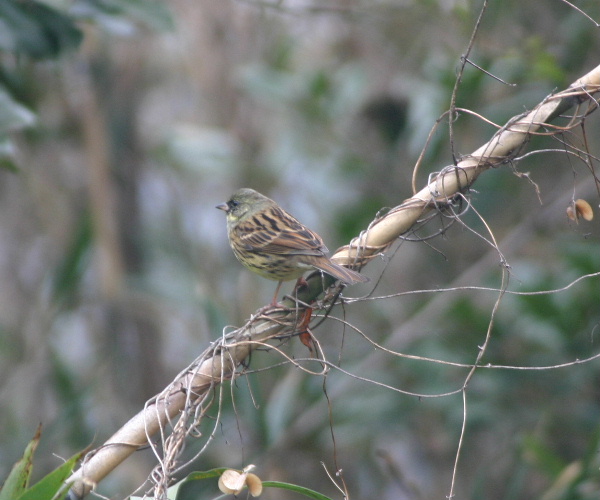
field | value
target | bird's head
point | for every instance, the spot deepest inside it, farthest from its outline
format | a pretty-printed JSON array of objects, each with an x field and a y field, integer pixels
[{"x": 244, "y": 203}]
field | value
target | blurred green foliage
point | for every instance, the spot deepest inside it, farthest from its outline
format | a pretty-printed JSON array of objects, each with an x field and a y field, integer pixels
[
  {"x": 33, "y": 30},
  {"x": 36, "y": 30}
]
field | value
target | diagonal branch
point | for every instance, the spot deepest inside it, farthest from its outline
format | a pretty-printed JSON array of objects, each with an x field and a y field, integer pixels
[
  {"x": 500, "y": 149},
  {"x": 224, "y": 357}
]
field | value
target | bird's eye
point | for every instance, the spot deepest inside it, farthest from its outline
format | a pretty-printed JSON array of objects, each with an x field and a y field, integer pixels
[{"x": 234, "y": 203}]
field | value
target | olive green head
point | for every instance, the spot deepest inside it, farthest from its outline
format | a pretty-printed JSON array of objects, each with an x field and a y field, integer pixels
[{"x": 244, "y": 203}]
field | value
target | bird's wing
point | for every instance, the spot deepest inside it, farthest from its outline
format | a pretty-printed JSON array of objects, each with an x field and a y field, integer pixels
[{"x": 274, "y": 230}]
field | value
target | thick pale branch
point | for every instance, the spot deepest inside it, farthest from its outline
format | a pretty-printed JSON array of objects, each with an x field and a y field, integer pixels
[
  {"x": 217, "y": 364},
  {"x": 221, "y": 360},
  {"x": 451, "y": 181}
]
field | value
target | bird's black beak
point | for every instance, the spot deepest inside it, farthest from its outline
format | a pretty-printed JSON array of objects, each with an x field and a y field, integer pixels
[{"x": 223, "y": 206}]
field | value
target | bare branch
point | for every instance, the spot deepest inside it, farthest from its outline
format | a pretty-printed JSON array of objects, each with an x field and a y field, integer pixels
[{"x": 503, "y": 147}]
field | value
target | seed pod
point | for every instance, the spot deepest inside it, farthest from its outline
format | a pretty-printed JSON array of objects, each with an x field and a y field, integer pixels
[
  {"x": 254, "y": 484},
  {"x": 232, "y": 482},
  {"x": 580, "y": 208}
]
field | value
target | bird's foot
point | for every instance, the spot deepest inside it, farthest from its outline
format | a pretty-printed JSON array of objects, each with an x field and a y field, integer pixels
[{"x": 305, "y": 335}]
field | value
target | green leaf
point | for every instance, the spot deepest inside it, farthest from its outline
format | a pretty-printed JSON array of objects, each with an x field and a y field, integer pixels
[
  {"x": 195, "y": 476},
  {"x": 70, "y": 271},
  {"x": 18, "y": 479},
  {"x": 542, "y": 456},
  {"x": 113, "y": 15},
  {"x": 7, "y": 153},
  {"x": 37, "y": 30},
  {"x": 154, "y": 15},
  {"x": 50, "y": 485},
  {"x": 189, "y": 489},
  {"x": 13, "y": 116},
  {"x": 307, "y": 492}
]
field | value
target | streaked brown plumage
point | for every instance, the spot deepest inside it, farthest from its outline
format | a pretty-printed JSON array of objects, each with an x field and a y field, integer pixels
[{"x": 272, "y": 243}]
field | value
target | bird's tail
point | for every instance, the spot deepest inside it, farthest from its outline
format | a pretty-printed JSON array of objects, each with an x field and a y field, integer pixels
[{"x": 341, "y": 273}]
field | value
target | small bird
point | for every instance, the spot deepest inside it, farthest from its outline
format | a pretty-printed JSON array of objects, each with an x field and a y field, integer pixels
[{"x": 272, "y": 243}]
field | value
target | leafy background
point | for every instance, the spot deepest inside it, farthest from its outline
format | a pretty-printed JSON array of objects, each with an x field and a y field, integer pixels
[{"x": 123, "y": 123}]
